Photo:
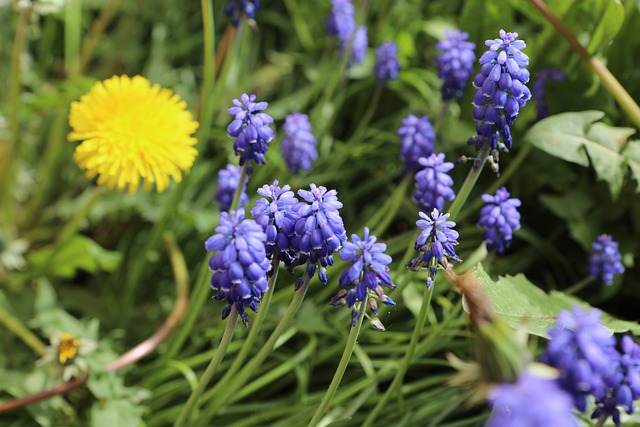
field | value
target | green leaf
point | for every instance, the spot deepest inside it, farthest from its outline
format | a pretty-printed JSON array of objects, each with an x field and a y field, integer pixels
[
  {"x": 632, "y": 153},
  {"x": 116, "y": 412},
  {"x": 78, "y": 253},
  {"x": 610, "y": 17},
  {"x": 524, "y": 306},
  {"x": 577, "y": 138}
]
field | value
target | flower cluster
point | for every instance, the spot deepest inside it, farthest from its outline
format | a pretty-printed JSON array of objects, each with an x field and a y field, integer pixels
[
  {"x": 585, "y": 353},
  {"x": 369, "y": 271},
  {"x": 275, "y": 213},
  {"x": 239, "y": 8},
  {"x": 531, "y": 402},
  {"x": 435, "y": 244},
  {"x": 433, "y": 185},
  {"x": 387, "y": 65},
  {"x": 319, "y": 230},
  {"x": 499, "y": 218},
  {"x": 228, "y": 180},
  {"x": 605, "y": 259},
  {"x": 251, "y": 129},
  {"x": 240, "y": 265},
  {"x": 539, "y": 85},
  {"x": 417, "y": 139},
  {"x": 299, "y": 144},
  {"x": 358, "y": 46},
  {"x": 500, "y": 94},
  {"x": 455, "y": 63},
  {"x": 132, "y": 132},
  {"x": 341, "y": 22}
]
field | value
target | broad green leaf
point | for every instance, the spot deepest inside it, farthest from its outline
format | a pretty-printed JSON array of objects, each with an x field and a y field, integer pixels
[
  {"x": 524, "y": 306},
  {"x": 632, "y": 153},
  {"x": 78, "y": 253},
  {"x": 610, "y": 17},
  {"x": 577, "y": 138},
  {"x": 116, "y": 412}
]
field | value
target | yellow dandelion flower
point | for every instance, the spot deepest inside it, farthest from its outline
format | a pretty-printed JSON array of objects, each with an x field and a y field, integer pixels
[
  {"x": 67, "y": 348},
  {"x": 132, "y": 131}
]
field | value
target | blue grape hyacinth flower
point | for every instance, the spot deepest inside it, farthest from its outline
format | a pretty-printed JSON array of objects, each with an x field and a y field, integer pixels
[
  {"x": 251, "y": 130},
  {"x": 359, "y": 43},
  {"x": 319, "y": 230},
  {"x": 417, "y": 139},
  {"x": 435, "y": 245},
  {"x": 605, "y": 259},
  {"x": 240, "y": 264},
  {"x": 387, "y": 65},
  {"x": 236, "y": 9},
  {"x": 228, "y": 180},
  {"x": 499, "y": 218},
  {"x": 584, "y": 353},
  {"x": 531, "y": 402},
  {"x": 275, "y": 213},
  {"x": 433, "y": 184},
  {"x": 455, "y": 63},
  {"x": 369, "y": 271},
  {"x": 500, "y": 94},
  {"x": 341, "y": 22},
  {"x": 539, "y": 86},
  {"x": 298, "y": 145}
]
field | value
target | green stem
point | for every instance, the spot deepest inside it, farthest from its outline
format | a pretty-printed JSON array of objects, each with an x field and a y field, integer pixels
[
  {"x": 608, "y": 80},
  {"x": 578, "y": 286},
  {"x": 404, "y": 365},
  {"x": 208, "y": 72},
  {"x": 17, "y": 327},
  {"x": 97, "y": 31},
  {"x": 441, "y": 116},
  {"x": 72, "y": 25},
  {"x": 467, "y": 186},
  {"x": 13, "y": 108},
  {"x": 240, "y": 188},
  {"x": 384, "y": 216},
  {"x": 601, "y": 420},
  {"x": 254, "y": 330},
  {"x": 211, "y": 369},
  {"x": 371, "y": 108},
  {"x": 256, "y": 361},
  {"x": 342, "y": 367}
]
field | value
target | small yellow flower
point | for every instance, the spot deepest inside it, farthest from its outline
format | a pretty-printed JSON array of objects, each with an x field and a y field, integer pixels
[
  {"x": 67, "y": 348},
  {"x": 132, "y": 131}
]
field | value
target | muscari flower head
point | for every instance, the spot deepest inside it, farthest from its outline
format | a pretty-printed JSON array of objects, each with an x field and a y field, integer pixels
[
  {"x": 584, "y": 353},
  {"x": 605, "y": 259},
  {"x": 240, "y": 264},
  {"x": 626, "y": 386},
  {"x": 499, "y": 218},
  {"x": 530, "y": 402},
  {"x": 342, "y": 22},
  {"x": 299, "y": 144},
  {"x": 435, "y": 245},
  {"x": 544, "y": 75},
  {"x": 239, "y": 8},
  {"x": 500, "y": 93},
  {"x": 387, "y": 65},
  {"x": 358, "y": 42},
  {"x": 417, "y": 139},
  {"x": 228, "y": 180},
  {"x": 455, "y": 63},
  {"x": 132, "y": 132},
  {"x": 251, "y": 129},
  {"x": 276, "y": 215},
  {"x": 369, "y": 271},
  {"x": 319, "y": 230},
  {"x": 433, "y": 184}
]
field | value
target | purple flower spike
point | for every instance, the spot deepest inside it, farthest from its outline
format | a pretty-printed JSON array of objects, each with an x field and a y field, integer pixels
[
  {"x": 544, "y": 76},
  {"x": 228, "y": 180},
  {"x": 500, "y": 93},
  {"x": 435, "y": 245},
  {"x": 433, "y": 185},
  {"x": 369, "y": 270},
  {"x": 531, "y": 402},
  {"x": 239, "y": 8},
  {"x": 605, "y": 259},
  {"x": 299, "y": 144},
  {"x": 417, "y": 139},
  {"x": 240, "y": 264},
  {"x": 387, "y": 65},
  {"x": 251, "y": 129},
  {"x": 455, "y": 63},
  {"x": 359, "y": 46},
  {"x": 276, "y": 215},
  {"x": 500, "y": 218},
  {"x": 342, "y": 22},
  {"x": 319, "y": 230}
]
